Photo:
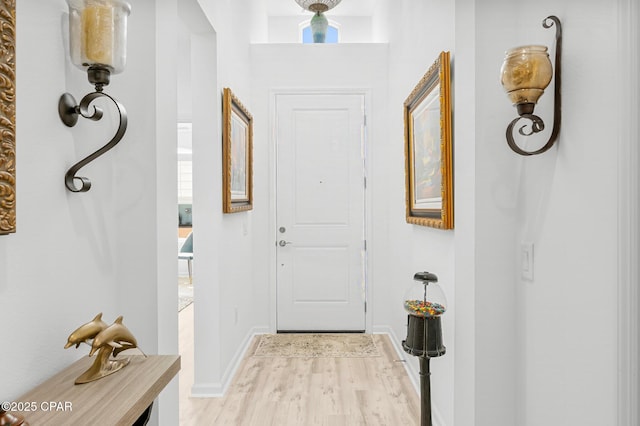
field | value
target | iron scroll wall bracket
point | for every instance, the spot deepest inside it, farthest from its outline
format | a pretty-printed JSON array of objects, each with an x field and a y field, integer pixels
[
  {"x": 69, "y": 111},
  {"x": 537, "y": 124}
]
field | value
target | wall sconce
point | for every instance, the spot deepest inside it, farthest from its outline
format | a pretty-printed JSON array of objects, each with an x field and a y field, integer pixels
[
  {"x": 98, "y": 38},
  {"x": 526, "y": 72}
]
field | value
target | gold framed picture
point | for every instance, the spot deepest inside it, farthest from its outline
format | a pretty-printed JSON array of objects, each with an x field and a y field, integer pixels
[
  {"x": 8, "y": 118},
  {"x": 428, "y": 148},
  {"x": 237, "y": 155}
]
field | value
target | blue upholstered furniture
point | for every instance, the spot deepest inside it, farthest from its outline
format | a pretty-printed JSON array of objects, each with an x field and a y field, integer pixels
[{"x": 186, "y": 252}]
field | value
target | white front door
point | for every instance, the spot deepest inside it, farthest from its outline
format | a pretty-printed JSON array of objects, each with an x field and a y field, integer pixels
[{"x": 320, "y": 212}]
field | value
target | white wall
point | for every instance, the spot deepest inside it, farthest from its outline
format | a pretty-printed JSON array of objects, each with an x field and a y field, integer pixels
[
  {"x": 534, "y": 342},
  {"x": 417, "y": 34},
  {"x": 464, "y": 119},
  {"x": 628, "y": 108},
  {"x": 309, "y": 67},
  {"x": 223, "y": 255},
  {"x": 525, "y": 352},
  {"x": 184, "y": 72},
  {"x": 495, "y": 216},
  {"x": 107, "y": 250},
  {"x": 566, "y": 317},
  {"x": 518, "y": 352},
  {"x": 63, "y": 255},
  {"x": 164, "y": 144}
]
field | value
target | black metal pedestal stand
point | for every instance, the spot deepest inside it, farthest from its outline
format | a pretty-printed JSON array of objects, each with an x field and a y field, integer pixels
[
  {"x": 424, "y": 340},
  {"x": 424, "y": 334},
  {"x": 425, "y": 392}
]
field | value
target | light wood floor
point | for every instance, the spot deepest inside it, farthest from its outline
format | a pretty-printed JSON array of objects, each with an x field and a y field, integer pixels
[{"x": 302, "y": 391}]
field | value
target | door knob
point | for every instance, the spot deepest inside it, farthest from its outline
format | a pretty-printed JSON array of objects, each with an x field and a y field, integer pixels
[{"x": 283, "y": 243}]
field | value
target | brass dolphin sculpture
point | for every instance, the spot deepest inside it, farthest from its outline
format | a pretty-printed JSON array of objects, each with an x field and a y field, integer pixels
[
  {"x": 108, "y": 340},
  {"x": 116, "y": 335},
  {"x": 86, "y": 331}
]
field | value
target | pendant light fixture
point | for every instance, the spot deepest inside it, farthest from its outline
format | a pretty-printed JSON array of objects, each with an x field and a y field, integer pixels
[{"x": 319, "y": 22}]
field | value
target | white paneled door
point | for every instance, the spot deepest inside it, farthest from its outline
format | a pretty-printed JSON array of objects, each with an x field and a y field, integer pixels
[{"x": 320, "y": 212}]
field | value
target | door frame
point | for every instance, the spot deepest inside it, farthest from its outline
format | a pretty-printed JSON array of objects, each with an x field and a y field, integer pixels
[
  {"x": 368, "y": 206},
  {"x": 628, "y": 214}
]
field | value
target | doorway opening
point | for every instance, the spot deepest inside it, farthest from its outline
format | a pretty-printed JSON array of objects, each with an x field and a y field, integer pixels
[
  {"x": 185, "y": 215},
  {"x": 197, "y": 72}
]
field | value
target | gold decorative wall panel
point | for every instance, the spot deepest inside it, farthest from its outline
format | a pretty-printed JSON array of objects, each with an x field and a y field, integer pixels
[{"x": 7, "y": 116}]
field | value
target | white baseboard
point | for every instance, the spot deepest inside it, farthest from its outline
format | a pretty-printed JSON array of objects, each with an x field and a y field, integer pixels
[
  {"x": 207, "y": 390},
  {"x": 412, "y": 372},
  {"x": 219, "y": 389}
]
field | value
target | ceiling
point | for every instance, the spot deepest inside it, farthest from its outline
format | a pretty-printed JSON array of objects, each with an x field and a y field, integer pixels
[{"x": 345, "y": 8}]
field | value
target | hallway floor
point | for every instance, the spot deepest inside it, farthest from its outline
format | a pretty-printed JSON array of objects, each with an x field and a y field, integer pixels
[{"x": 283, "y": 391}]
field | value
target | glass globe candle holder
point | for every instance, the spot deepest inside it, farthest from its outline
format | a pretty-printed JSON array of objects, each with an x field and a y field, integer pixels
[
  {"x": 424, "y": 302},
  {"x": 98, "y": 37},
  {"x": 525, "y": 73}
]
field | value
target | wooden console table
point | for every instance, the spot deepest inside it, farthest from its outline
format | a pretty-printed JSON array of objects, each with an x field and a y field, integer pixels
[{"x": 117, "y": 399}]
